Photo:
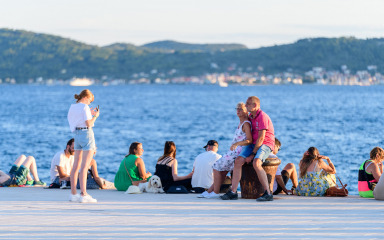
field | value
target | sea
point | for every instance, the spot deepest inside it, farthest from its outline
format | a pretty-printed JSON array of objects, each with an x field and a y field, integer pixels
[{"x": 343, "y": 122}]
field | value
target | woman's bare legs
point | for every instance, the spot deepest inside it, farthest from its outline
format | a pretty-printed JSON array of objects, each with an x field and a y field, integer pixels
[
  {"x": 75, "y": 170},
  {"x": 218, "y": 179},
  {"x": 237, "y": 171},
  {"x": 85, "y": 163}
]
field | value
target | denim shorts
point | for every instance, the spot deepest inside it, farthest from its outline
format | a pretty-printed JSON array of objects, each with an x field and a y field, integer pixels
[
  {"x": 247, "y": 150},
  {"x": 85, "y": 140},
  {"x": 262, "y": 153}
]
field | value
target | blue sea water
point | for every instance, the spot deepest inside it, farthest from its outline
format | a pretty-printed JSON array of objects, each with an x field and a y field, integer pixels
[{"x": 343, "y": 122}]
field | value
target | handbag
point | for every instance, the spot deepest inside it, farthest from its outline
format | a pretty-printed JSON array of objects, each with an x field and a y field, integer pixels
[
  {"x": 337, "y": 191},
  {"x": 133, "y": 189}
]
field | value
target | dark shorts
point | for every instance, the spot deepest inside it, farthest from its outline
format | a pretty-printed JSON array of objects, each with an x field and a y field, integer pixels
[
  {"x": 18, "y": 175},
  {"x": 285, "y": 176},
  {"x": 91, "y": 183}
]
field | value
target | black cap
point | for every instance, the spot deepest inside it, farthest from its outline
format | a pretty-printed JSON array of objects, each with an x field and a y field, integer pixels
[{"x": 211, "y": 143}]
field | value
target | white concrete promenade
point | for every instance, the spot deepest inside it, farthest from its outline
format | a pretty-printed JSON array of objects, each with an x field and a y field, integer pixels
[{"x": 37, "y": 213}]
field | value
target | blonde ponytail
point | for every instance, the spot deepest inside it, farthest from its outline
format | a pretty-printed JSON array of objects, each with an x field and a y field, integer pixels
[{"x": 83, "y": 94}]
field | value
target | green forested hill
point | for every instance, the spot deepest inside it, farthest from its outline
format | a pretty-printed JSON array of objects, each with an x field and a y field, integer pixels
[
  {"x": 25, "y": 55},
  {"x": 187, "y": 47}
]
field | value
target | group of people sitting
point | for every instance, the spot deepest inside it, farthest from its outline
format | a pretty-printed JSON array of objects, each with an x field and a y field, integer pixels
[
  {"x": 254, "y": 141},
  {"x": 61, "y": 166},
  {"x": 249, "y": 145}
]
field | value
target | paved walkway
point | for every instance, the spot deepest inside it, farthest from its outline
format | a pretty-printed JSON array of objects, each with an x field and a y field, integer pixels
[{"x": 37, "y": 213}]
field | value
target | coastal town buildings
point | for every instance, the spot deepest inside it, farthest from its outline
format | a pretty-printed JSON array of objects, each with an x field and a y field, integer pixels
[{"x": 317, "y": 75}]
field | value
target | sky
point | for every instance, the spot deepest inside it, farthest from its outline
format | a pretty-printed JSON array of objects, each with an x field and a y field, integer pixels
[{"x": 254, "y": 23}]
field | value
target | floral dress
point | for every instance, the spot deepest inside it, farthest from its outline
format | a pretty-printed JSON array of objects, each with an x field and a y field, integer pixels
[
  {"x": 315, "y": 183},
  {"x": 227, "y": 161}
]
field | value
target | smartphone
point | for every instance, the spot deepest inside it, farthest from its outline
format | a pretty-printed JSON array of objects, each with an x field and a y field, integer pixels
[{"x": 97, "y": 107}]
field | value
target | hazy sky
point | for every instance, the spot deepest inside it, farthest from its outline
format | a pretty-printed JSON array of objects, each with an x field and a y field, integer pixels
[{"x": 254, "y": 23}]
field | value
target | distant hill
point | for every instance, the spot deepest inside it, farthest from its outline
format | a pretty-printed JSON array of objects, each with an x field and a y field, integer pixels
[
  {"x": 25, "y": 55},
  {"x": 178, "y": 46},
  {"x": 122, "y": 47}
]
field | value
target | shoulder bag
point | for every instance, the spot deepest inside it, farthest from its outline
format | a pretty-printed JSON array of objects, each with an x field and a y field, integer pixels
[
  {"x": 135, "y": 183},
  {"x": 337, "y": 191}
]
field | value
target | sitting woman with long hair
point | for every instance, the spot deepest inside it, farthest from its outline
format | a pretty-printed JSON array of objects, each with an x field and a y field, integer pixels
[
  {"x": 313, "y": 173},
  {"x": 132, "y": 168},
  {"x": 166, "y": 169},
  {"x": 370, "y": 172}
]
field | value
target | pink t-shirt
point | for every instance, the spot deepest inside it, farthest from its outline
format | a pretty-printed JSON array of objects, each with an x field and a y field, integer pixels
[{"x": 263, "y": 122}]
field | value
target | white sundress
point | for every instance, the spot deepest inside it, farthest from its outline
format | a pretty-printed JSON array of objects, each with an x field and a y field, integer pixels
[{"x": 227, "y": 161}]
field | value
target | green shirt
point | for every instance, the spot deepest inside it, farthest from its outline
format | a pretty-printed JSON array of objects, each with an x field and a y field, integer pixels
[{"x": 122, "y": 180}]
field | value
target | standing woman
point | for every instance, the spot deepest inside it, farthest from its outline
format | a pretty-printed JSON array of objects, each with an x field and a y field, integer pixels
[{"x": 81, "y": 120}]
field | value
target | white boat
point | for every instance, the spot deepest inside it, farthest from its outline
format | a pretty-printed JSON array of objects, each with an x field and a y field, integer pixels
[
  {"x": 222, "y": 83},
  {"x": 81, "y": 82}
]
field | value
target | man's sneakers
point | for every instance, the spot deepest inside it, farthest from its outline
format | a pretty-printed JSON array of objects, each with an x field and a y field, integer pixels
[
  {"x": 265, "y": 197},
  {"x": 233, "y": 196},
  {"x": 35, "y": 183},
  {"x": 64, "y": 185},
  {"x": 29, "y": 183},
  {"x": 39, "y": 183},
  {"x": 230, "y": 196}
]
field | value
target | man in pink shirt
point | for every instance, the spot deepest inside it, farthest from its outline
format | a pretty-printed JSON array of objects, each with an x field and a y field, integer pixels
[{"x": 263, "y": 142}]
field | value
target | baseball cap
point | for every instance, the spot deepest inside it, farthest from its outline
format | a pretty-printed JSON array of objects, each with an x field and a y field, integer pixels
[{"x": 211, "y": 143}]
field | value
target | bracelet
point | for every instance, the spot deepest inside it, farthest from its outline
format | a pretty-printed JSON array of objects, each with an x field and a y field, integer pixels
[{"x": 95, "y": 116}]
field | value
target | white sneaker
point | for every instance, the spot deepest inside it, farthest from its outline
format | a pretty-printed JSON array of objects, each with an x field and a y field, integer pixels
[
  {"x": 213, "y": 195},
  {"x": 87, "y": 199},
  {"x": 74, "y": 198},
  {"x": 203, "y": 195},
  {"x": 63, "y": 184}
]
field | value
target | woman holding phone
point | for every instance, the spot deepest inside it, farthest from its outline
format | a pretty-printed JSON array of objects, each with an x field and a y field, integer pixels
[{"x": 81, "y": 120}]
